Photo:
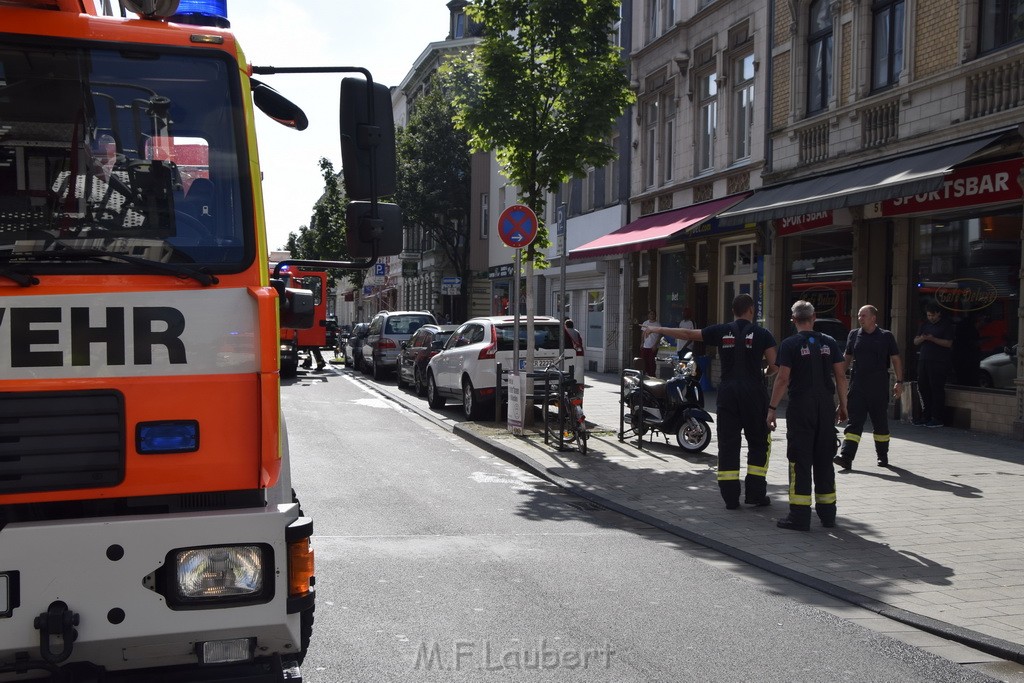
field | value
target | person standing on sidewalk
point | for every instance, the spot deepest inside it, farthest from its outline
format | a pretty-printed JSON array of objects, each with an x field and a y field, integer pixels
[
  {"x": 742, "y": 399},
  {"x": 870, "y": 349},
  {"x": 649, "y": 343},
  {"x": 935, "y": 343},
  {"x": 811, "y": 368}
]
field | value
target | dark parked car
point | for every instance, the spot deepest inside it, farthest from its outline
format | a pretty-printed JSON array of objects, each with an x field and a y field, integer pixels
[
  {"x": 412, "y": 359},
  {"x": 354, "y": 345}
]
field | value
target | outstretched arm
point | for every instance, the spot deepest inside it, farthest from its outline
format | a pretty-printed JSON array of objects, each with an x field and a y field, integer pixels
[{"x": 677, "y": 333}]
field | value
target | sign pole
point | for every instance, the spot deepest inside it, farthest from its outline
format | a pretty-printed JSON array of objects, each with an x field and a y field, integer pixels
[
  {"x": 515, "y": 303},
  {"x": 560, "y": 230}
]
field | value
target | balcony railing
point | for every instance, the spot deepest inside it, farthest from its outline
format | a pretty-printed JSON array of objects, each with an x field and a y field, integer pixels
[
  {"x": 880, "y": 123},
  {"x": 814, "y": 143},
  {"x": 998, "y": 88}
]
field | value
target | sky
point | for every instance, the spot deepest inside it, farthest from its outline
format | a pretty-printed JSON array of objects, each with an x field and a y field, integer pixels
[{"x": 384, "y": 36}]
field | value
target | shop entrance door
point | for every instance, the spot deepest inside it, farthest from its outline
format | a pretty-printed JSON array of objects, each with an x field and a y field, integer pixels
[{"x": 739, "y": 276}]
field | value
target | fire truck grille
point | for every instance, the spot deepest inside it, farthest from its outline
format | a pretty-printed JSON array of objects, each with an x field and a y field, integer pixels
[{"x": 51, "y": 441}]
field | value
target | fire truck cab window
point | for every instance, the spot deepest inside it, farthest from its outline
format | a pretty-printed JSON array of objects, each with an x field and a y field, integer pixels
[{"x": 125, "y": 152}]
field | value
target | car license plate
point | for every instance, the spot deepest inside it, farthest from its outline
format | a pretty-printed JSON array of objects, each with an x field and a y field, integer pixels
[
  {"x": 538, "y": 363},
  {"x": 5, "y": 595}
]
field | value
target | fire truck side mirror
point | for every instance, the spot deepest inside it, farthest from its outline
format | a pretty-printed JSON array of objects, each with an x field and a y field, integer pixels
[
  {"x": 278, "y": 107},
  {"x": 367, "y": 139},
  {"x": 297, "y": 306},
  {"x": 365, "y": 228}
]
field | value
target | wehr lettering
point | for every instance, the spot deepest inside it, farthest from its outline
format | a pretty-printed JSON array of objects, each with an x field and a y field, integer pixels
[{"x": 30, "y": 328}]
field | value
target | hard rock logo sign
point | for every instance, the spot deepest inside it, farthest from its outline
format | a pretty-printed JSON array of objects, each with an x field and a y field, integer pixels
[{"x": 964, "y": 295}]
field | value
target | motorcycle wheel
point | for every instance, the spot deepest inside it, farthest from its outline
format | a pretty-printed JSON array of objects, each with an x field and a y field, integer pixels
[{"x": 693, "y": 435}]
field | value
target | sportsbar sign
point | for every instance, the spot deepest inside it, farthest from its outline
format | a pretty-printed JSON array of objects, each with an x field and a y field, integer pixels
[{"x": 994, "y": 183}]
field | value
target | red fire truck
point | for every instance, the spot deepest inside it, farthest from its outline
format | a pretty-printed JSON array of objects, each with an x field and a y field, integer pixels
[{"x": 148, "y": 526}]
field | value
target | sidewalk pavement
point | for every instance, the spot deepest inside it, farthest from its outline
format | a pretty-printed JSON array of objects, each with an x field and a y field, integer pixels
[{"x": 933, "y": 541}]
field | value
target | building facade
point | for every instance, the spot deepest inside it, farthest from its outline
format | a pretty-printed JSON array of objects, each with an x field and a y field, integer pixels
[{"x": 893, "y": 178}]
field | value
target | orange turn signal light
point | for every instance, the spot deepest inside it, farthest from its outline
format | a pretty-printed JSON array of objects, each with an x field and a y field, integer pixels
[{"x": 300, "y": 567}]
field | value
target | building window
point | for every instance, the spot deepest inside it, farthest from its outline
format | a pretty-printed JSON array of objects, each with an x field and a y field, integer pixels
[
  {"x": 593, "y": 335},
  {"x": 743, "y": 107},
  {"x": 668, "y": 135},
  {"x": 611, "y": 176},
  {"x": 707, "y": 91},
  {"x": 589, "y": 189},
  {"x": 652, "y": 20},
  {"x": 887, "y": 48},
  {"x": 459, "y": 25},
  {"x": 819, "y": 57},
  {"x": 970, "y": 267},
  {"x": 485, "y": 215},
  {"x": 650, "y": 143},
  {"x": 1001, "y": 22}
]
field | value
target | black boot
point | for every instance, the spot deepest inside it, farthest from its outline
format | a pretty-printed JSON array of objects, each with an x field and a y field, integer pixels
[
  {"x": 798, "y": 519},
  {"x": 883, "y": 459},
  {"x": 846, "y": 454},
  {"x": 827, "y": 514},
  {"x": 793, "y": 524}
]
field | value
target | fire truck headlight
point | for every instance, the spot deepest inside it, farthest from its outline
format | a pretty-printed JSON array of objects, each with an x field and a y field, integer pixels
[{"x": 221, "y": 574}]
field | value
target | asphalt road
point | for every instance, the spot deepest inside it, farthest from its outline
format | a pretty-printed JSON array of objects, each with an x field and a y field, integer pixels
[{"x": 438, "y": 561}]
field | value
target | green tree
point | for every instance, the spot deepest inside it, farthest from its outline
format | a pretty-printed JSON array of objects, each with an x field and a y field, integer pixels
[
  {"x": 543, "y": 91},
  {"x": 433, "y": 175}
]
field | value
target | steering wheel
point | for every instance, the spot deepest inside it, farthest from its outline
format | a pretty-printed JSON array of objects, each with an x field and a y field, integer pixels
[{"x": 191, "y": 231}]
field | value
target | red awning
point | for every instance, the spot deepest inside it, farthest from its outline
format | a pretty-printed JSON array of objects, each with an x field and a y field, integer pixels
[{"x": 654, "y": 230}]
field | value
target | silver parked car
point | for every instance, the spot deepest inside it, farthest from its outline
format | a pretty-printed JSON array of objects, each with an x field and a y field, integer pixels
[
  {"x": 388, "y": 329},
  {"x": 999, "y": 370}
]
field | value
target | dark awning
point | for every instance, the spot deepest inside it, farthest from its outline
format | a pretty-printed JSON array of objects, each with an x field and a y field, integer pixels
[
  {"x": 900, "y": 177},
  {"x": 654, "y": 230}
]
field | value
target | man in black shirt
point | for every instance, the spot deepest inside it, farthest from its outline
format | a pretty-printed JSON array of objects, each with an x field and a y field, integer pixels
[
  {"x": 742, "y": 399},
  {"x": 870, "y": 349},
  {"x": 811, "y": 368},
  {"x": 935, "y": 343}
]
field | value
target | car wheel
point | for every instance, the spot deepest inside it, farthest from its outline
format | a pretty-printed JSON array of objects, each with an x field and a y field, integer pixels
[
  {"x": 399, "y": 380},
  {"x": 469, "y": 402},
  {"x": 984, "y": 379},
  {"x": 376, "y": 369},
  {"x": 434, "y": 399},
  {"x": 417, "y": 382}
]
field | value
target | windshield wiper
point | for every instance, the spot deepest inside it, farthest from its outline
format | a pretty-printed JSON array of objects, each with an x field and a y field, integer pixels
[
  {"x": 23, "y": 279},
  {"x": 69, "y": 254}
]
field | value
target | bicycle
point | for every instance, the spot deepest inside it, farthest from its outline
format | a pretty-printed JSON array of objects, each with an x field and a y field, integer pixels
[{"x": 572, "y": 422}]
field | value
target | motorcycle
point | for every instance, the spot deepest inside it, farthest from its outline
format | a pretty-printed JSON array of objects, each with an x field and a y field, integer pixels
[{"x": 674, "y": 406}]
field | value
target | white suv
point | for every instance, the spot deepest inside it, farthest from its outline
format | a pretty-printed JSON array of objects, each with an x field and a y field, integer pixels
[{"x": 466, "y": 367}]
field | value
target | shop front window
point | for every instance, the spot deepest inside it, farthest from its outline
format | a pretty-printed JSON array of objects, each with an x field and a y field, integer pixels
[
  {"x": 593, "y": 336},
  {"x": 672, "y": 292},
  {"x": 970, "y": 267},
  {"x": 821, "y": 271}
]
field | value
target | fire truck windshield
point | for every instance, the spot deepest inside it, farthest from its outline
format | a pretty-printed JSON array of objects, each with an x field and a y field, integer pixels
[{"x": 132, "y": 152}]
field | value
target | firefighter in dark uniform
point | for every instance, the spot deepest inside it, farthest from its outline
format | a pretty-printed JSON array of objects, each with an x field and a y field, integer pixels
[
  {"x": 811, "y": 368},
  {"x": 871, "y": 349},
  {"x": 742, "y": 399}
]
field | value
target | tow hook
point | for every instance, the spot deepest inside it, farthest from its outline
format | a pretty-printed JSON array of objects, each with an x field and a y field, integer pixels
[{"x": 56, "y": 621}]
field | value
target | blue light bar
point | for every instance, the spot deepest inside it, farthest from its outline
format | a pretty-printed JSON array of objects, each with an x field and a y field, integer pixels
[
  {"x": 203, "y": 13},
  {"x": 178, "y": 436}
]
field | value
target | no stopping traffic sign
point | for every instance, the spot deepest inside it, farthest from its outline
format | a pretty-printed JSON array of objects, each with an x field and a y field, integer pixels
[{"x": 517, "y": 226}]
